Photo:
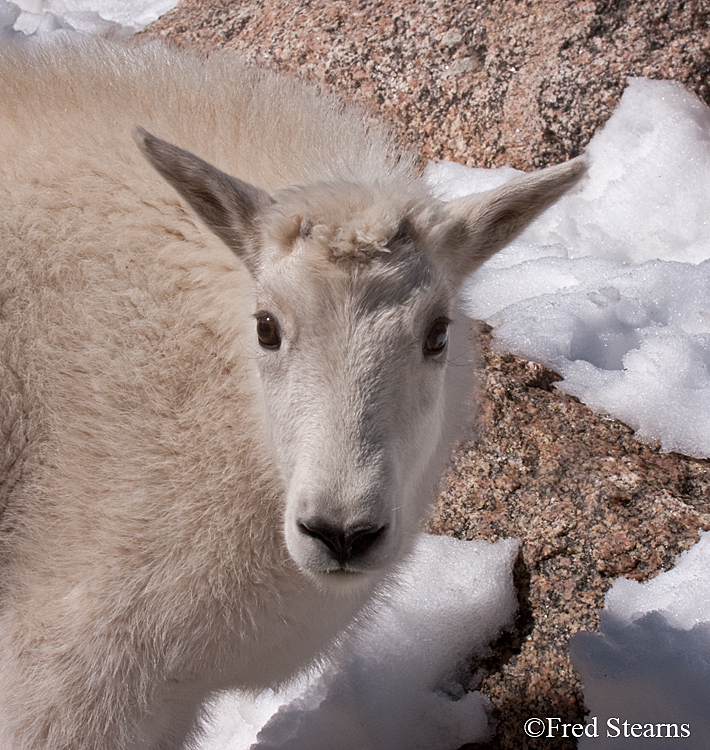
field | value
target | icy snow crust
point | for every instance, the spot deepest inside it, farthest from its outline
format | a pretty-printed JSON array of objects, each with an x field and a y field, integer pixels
[
  {"x": 33, "y": 20},
  {"x": 610, "y": 287},
  {"x": 651, "y": 663},
  {"x": 396, "y": 683}
]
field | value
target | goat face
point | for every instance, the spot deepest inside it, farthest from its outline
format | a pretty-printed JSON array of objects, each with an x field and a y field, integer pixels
[
  {"x": 352, "y": 355},
  {"x": 354, "y": 294}
]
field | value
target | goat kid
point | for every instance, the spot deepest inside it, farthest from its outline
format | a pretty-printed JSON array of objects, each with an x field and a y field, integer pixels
[{"x": 226, "y": 390}]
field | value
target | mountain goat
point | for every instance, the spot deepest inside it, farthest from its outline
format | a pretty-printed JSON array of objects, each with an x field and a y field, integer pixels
[{"x": 225, "y": 394}]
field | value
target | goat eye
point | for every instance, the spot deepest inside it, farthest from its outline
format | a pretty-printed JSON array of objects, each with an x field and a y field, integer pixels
[
  {"x": 267, "y": 330},
  {"x": 437, "y": 337}
]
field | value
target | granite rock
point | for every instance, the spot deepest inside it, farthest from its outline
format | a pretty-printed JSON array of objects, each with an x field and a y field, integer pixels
[
  {"x": 589, "y": 504},
  {"x": 518, "y": 82}
]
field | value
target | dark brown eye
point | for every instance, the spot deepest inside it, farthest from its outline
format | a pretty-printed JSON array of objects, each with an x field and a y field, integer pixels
[
  {"x": 437, "y": 337},
  {"x": 267, "y": 330}
]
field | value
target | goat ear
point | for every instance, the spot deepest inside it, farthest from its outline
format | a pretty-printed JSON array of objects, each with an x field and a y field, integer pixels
[
  {"x": 228, "y": 206},
  {"x": 480, "y": 225}
]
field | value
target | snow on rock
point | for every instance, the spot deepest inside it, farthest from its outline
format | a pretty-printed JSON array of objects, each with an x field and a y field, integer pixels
[
  {"x": 610, "y": 286},
  {"x": 398, "y": 683},
  {"x": 650, "y": 665},
  {"x": 648, "y": 180},
  {"x": 30, "y": 20}
]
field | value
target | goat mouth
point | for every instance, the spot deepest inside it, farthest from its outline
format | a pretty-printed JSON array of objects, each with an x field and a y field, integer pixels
[
  {"x": 341, "y": 576},
  {"x": 341, "y": 571}
]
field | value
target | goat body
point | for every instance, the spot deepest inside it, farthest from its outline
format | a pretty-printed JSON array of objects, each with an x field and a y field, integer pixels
[{"x": 226, "y": 390}]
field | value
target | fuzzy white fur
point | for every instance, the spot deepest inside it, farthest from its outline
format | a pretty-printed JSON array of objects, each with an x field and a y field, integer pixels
[{"x": 159, "y": 469}]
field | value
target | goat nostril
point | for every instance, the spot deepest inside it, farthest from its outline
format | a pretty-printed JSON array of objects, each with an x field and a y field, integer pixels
[
  {"x": 343, "y": 545},
  {"x": 360, "y": 541},
  {"x": 331, "y": 536}
]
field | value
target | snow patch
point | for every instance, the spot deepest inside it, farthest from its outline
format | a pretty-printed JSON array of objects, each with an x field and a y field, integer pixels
[
  {"x": 27, "y": 21},
  {"x": 651, "y": 662},
  {"x": 401, "y": 677},
  {"x": 610, "y": 286}
]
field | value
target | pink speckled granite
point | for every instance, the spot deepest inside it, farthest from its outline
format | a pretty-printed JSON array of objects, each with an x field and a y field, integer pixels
[
  {"x": 484, "y": 83},
  {"x": 589, "y": 504}
]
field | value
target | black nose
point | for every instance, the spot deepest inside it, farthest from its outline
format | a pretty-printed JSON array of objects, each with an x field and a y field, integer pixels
[{"x": 344, "y": 545}]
